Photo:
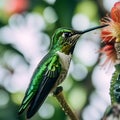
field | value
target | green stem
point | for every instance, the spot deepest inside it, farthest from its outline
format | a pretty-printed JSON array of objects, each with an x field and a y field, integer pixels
[
  {"x": 115, "y": 85},
  {"x": 112, "y": 112}
]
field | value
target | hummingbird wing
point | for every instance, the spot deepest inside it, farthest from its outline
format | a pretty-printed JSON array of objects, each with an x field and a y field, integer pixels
[{"x": 45, "y": 76}]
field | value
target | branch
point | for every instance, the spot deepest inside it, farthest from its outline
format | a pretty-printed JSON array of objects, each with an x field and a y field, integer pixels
[{"x": 61, "y": 99}]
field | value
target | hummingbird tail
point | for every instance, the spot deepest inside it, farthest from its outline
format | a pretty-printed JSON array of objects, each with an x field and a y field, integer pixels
[
  {"x": 44, "y": 90},
  {"x": 26, "y": 101}
]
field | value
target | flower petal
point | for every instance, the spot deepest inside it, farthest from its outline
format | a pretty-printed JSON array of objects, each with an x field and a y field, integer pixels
[{"x": 115, "y": 12}]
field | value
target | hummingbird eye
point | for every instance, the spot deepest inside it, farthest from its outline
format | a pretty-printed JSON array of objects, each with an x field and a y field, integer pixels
[{"x": 66, "y": 34}]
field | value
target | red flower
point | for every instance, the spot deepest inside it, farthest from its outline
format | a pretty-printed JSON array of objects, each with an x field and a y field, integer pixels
[
  {"x": 111, "y": 34},
  {"x": 115, "y": 12},
  {"x": 16, "y": 6}
]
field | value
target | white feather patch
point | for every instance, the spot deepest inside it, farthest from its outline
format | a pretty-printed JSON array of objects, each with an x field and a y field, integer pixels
[{"x": 64, "y": 60}]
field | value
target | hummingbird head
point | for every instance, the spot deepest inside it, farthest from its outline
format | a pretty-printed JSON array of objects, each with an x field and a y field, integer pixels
[{"x": 65, "y": 39}]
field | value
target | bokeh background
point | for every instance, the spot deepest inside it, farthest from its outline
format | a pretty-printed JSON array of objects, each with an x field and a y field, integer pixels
[{"x": 26, "y": 28}]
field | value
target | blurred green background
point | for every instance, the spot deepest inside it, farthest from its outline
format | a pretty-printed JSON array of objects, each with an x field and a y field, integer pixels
[{"x": 26, "y": 28}]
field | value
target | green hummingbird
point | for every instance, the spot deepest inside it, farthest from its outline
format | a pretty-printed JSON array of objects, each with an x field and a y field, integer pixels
[{"x": 52, "y": 69}]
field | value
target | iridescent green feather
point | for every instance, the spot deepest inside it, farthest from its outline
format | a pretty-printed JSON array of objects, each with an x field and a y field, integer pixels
[{"x": 47, "y": 67}]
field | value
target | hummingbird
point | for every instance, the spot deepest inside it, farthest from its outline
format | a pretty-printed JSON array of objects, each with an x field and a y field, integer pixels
[{"x": 52, "y": 69}]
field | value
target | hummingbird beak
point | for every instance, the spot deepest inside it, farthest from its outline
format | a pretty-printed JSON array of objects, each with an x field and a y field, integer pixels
[
  {"x": 77, "y": 34},
  {"x": 90, "y": 29}
]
